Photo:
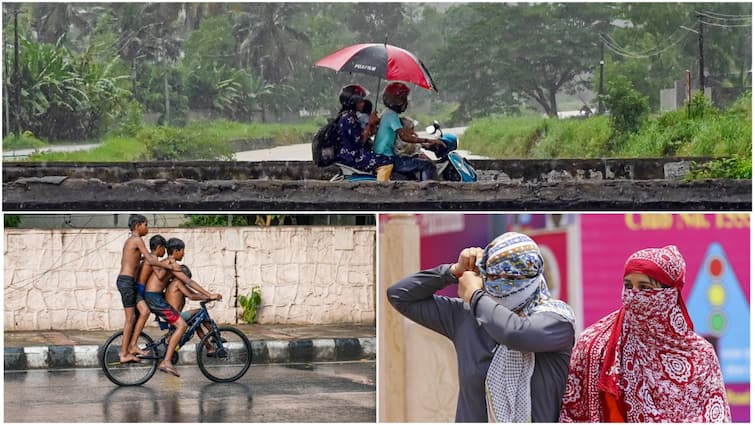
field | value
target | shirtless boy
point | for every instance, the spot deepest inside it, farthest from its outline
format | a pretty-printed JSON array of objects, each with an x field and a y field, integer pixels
[
  {"x": 133, "y": 250},
  {"x": 175, "y": 295},
  {"x": 143, "y": 272},
  {"x": 155, "y": 298}
]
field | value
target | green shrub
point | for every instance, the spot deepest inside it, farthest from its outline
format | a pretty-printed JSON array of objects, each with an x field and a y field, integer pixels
[
  {"x": 724, "y": 168},
  {"x": 176, "y": 144},
  {"x": 134, "y": 120},
  {"x": 213, "y": 220},
  {"x": 250, "y": 304},
  {"x": 704, "y": 132},
  {"x": 25, "y": 141},
  {"x": 628, "y": 107},
  {"x": 11, "y": 221}
]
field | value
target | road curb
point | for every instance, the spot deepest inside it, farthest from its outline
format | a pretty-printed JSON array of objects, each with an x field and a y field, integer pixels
[{"x": 272, "y": 351}]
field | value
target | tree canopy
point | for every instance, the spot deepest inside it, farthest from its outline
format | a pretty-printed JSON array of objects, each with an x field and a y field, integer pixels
[{"x": 254, "y": 61}]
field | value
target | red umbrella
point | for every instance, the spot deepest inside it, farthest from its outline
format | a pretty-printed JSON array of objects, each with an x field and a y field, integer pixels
[{"x": 382, "y": 61}]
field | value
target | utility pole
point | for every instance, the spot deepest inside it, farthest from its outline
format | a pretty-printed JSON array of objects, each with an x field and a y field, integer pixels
[
  {"x": 700, "y": 51},
  {"x": 16, "y": 78},
  {"x": 601, "y": 109}
]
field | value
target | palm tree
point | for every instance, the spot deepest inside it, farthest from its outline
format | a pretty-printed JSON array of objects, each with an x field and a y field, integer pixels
[
  {"x": 194, "y": 13},
  {"x": 149, "y": 31},
  {"x": 267, "y": 40},
  {"x": 53, "y": 20}
]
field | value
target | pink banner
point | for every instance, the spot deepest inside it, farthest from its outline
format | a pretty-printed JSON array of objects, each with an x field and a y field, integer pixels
[{"x": 608, "y": 239}]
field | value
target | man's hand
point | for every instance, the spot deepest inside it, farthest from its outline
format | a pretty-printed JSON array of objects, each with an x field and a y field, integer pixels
[
  {"x": 215, "y": 297},
  {"x": 468, "y": 284},
  {"x": 374, "y": 120},
  {"x": 433, "y": 142},
  {"x": 467, "y": 261}
]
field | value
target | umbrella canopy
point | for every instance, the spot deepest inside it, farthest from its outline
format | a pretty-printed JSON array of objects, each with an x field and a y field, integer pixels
[{"x": 382, "y": 61}]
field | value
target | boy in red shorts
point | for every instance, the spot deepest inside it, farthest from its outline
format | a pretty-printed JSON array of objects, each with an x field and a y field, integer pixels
[{"x": 155, "y": 296}]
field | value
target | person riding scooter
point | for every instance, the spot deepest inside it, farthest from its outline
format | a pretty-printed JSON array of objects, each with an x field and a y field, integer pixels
[
  {"x": 396, "y": 99},
  {"x": 355, "y": 150}
]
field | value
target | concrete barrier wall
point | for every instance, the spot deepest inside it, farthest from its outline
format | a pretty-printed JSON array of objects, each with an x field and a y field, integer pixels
[{"x": 65, "y": 279}]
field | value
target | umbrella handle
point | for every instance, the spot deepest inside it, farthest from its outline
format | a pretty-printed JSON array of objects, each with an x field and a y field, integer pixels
[{"x": 380, "y": 80}]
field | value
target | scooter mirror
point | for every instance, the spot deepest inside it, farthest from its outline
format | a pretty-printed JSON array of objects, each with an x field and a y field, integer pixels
[{"x": 430, "y": 129}]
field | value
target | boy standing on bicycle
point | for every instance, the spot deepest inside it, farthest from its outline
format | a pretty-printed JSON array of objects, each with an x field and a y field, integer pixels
[
  {"x": 133, "y": 250},
  {"x": 155, "y": 297},
  {"x": 143, "y": 272}
]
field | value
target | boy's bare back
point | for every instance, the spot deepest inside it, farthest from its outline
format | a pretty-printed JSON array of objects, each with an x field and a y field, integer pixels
[{"x": 132, "y": 253}]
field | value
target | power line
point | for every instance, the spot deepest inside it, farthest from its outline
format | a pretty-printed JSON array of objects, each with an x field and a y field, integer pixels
[
  {"x": 612, "y": 45},
  {"x": 722, "y": 16},
  {"x": 726, "y": 26}
]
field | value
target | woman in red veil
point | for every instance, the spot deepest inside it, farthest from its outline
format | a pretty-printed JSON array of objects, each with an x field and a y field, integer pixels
[{"x": 644, "y": 362}]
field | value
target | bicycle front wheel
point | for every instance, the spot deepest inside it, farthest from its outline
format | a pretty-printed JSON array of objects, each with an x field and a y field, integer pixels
[
  {"x": 128, "y": 374},
  {"x": 225, "y": 355}
]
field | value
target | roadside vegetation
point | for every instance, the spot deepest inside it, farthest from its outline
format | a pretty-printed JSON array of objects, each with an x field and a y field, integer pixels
[
  {"x": 197, "y": 141},
  {"x": 190, "y": 81},
  {"x": 698, "y": 131}
]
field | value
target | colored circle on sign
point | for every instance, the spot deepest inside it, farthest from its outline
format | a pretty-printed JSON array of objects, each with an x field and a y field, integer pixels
[
  {"x": 715, "y": 267},
  {"x": 716, "y": 295},
  {"x": 717, "y": 322}
]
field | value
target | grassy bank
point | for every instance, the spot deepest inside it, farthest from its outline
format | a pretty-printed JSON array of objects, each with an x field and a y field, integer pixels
[
  {"x": 199, "y": 140},
  {"x": 708, "y": 133},
  {"x": 113, "y": 149}
]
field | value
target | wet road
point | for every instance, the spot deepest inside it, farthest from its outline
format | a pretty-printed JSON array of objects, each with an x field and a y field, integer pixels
[{"x": 322, "y": 392}]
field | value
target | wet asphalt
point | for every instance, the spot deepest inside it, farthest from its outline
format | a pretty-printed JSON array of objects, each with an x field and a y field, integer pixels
[{"x": 319, "y": 392}]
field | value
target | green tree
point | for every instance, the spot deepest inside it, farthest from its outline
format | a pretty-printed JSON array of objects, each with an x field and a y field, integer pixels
[
  {"x": 196, "y": 13},
  {"x": 54, "y": 20},
  {"x": 268, "y": 41},
  {"x": 651, "y": 48},
  {"x": 493, "y": 67},
  {"x": 627, "y": 106},
  {"x": 270, "y": 45},
  {"x": 64, "y": 96}
]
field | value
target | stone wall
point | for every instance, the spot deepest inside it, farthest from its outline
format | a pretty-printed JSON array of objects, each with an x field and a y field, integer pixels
[{"x": 65, "y": 279}]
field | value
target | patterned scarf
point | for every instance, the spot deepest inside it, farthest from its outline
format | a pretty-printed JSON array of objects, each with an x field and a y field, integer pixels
[
  {"x": 511, "y": 269},
  {"x": 646, "y": 356}
]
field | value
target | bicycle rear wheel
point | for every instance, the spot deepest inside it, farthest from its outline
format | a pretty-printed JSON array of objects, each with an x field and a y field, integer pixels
[
  {"x": 232, "y": 356},
  {"x": 127, "y": 374}
]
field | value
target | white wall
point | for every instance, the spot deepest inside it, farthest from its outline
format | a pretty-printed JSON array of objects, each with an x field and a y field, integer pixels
[{"x": 65, "y": 279}]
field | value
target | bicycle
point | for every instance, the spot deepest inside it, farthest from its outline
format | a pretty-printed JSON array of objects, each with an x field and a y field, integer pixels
[{"x": 229, "y": 361}]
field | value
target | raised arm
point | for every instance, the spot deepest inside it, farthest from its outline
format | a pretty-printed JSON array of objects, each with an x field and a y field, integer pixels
[
  {"x": 540, "y": 332},
  {"x": 152, "y": 258},
  {"x": 414, "y": 297},
  {"x": 181, "y": 276},
  {"x": 194, "y": 296}
]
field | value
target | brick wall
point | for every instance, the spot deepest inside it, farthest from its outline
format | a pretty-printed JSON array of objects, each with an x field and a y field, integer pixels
[{"x": 65, "y": 279}]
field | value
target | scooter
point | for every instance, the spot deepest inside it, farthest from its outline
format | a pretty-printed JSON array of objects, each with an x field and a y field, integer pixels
[{"x": 450, "y": 165}]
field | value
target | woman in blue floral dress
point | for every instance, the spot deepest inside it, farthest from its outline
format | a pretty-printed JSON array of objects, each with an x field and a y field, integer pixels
[{"x": 355, "y": 150}]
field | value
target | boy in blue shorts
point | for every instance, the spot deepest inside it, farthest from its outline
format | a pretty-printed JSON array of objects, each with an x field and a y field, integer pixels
[
  {"x": 144, "y": 271},
  {"x": 155, "y": 297}
]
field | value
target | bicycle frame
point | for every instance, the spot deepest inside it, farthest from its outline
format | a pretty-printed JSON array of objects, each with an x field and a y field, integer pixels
[{"x": 194, "y": 323}]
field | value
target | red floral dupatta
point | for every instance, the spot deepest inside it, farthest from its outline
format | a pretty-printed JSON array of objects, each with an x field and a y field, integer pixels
[{"x": 647, "y": 357}]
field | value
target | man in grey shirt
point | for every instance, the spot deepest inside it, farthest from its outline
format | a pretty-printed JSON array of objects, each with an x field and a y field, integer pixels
[{"x": 479, "y": 322}]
